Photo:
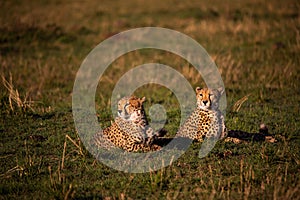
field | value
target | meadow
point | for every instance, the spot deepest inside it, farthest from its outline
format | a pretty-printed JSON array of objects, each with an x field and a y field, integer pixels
[{"x": 255, "y": 44}]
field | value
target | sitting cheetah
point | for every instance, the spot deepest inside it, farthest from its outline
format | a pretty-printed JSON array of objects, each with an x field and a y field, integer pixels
[
  {"x": 206, "y": 120},
  {"x": 130, "y": 130}
]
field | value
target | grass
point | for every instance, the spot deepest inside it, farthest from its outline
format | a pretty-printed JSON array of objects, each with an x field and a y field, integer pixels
[{"x": 256, "y": 45}]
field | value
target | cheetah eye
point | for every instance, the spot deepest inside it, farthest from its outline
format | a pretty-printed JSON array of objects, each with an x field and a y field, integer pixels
[{"x": 201, "y": 95}]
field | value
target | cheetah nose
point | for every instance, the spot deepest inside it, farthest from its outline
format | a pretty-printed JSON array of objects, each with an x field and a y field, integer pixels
[
  {"x": 119, "y": 111},
  {"x": 205, "y": 102}
]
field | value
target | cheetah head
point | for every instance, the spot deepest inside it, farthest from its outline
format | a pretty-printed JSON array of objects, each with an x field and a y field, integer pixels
[
  {"x": 130, "y": 107},
  {"x": 208, "y": 99}
]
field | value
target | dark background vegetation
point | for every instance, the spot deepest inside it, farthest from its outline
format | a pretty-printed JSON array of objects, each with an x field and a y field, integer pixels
[{"x": 255, "y": 43}]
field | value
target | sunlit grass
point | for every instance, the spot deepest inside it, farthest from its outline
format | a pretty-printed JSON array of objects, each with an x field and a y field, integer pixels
[{"x": 255, "y": 44}]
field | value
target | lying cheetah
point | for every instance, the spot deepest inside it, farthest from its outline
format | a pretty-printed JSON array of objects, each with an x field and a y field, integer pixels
[
  {"x": 130, "y": 130},
  {"x": 125, "y": 106}
]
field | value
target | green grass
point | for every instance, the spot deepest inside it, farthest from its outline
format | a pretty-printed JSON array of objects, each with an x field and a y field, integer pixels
[{"x": 256, "y": 45}]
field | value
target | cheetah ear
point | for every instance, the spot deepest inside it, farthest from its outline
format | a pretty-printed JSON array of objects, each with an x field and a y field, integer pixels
[
  {"x": 198, "y": 89},
  {"x": 143, "y": 100},
  {"x": 221, "y": 90}
]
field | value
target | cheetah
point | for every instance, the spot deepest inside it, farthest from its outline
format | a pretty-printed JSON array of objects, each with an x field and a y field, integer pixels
[
  {"x": 130, "y": 130},
  {"x": 206, "y": 121},
  {"x": 138, "y": 117}
]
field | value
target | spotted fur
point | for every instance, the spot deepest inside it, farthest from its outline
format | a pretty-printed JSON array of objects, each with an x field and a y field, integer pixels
[
  {"x": 130, "y": 130},
  {"x": 206, "y": 120}
]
